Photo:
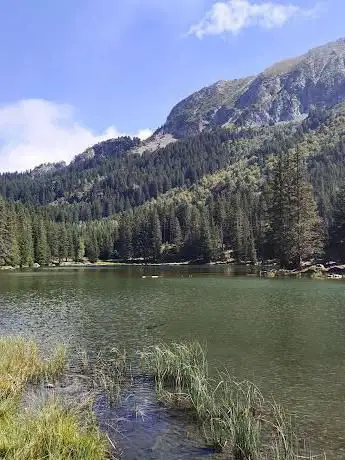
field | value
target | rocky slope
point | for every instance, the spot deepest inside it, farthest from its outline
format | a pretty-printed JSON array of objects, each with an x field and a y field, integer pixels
[{"x": 284, "y": 92}]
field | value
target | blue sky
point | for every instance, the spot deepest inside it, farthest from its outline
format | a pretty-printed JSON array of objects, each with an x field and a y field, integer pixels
[{"x": 77, "y": 71}]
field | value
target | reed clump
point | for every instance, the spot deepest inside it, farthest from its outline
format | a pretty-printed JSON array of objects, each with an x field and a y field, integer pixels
[
  {"x": 50, "y": 431},
  {"x": 233, "y": 415},
  {"x": 110, "y": 374}
]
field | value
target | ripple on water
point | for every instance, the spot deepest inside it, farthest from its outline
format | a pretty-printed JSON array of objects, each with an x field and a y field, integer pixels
[{"x": 286, "y": 335}]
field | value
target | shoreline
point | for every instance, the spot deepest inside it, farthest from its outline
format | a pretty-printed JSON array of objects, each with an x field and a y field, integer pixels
[{"x": 318, "y": 271}]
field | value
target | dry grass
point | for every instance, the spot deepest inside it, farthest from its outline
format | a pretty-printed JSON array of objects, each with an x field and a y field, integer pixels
[
  {"x": 21, "y": 363},
  {"x": 51, "y": 431}
]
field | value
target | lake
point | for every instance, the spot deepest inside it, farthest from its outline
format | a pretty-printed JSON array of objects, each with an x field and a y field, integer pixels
[{"x": 288, "y": 336}]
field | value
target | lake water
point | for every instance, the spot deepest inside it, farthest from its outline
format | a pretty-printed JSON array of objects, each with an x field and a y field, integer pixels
[{"x": 288, "y": 336}]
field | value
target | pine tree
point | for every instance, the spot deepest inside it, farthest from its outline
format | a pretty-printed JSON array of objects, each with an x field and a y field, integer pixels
[
  {"x": 91, "y": 247},
  {"x": 338, "y": 226},
  {"x": 14, "y": 255},
  {"x": 156, "y": 236},
  {"x": 191, "y": 249},
  {"x": 220, "y": 219},
  {"x": 11, "y": 232},
  {"x": 26, "y": 247},
  {"x": 106, "y": 245},
  {"x": 176, "y": 233},
  {"x": 125, "y": 243},
  {"x": 41, "y": 248},
  {"x": 295, "y": 224},
  {"x": 78, "y": 247},
  {"x": 5, "y": 241},
  {"x": 206, "y": 249},
  {"x": 62, "y": 243},
  {"x": 53, "y": 238}
]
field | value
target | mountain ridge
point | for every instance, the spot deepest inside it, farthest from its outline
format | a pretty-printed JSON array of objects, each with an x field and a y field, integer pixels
[{"x": 285, "y": 91}]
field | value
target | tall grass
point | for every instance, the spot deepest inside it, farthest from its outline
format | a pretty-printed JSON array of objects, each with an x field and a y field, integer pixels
[
  {"x": 51, "y": 431},
  {"x": 109, "y": 375},
  {"x": 21, "y": 363},
  {"x": 233, "y": 415}
]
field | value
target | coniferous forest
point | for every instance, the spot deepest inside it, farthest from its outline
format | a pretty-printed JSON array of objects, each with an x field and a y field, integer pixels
[{"x": 243, "y": 194}]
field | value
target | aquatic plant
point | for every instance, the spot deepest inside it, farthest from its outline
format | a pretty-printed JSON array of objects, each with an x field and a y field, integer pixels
[
  {"x": 109, "y": 375},
  {"x": 233, "y": 415}
]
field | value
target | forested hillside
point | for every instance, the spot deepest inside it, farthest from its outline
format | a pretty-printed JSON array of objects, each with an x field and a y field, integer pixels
[
  {"x": 231, "y": 192},
  {"x": 244, "y": 194}
]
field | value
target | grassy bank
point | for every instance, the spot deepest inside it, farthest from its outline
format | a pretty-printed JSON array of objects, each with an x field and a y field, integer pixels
[
  {"x": 48, "y": 430},
  {"x": 233, "y": 416}
]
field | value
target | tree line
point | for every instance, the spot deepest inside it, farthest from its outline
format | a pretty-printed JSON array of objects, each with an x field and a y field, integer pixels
[
  {"x": 114, "y": 181},
  {"x": 281, "y": 221},
  {"x": 291, "y": 209}
]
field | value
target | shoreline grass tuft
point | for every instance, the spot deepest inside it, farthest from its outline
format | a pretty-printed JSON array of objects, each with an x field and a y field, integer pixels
[
  {"x": 233, "y": 415},
  {"x": 51, "y": 431}
]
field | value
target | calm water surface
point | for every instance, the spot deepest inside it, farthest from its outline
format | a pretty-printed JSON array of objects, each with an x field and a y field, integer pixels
[{"x": 286, "y": 335}]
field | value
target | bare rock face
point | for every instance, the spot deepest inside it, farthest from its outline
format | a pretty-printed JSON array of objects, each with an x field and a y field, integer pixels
[
  {"x": 210, "y": 106},
  {"x": 288, "y": 90},
  {"x": 46, "y": 168},
  {"x": 284, "y": 92},
  {"x": 108, "y": 148}
]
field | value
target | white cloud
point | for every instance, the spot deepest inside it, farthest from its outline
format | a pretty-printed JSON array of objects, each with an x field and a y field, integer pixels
[
  {"x": 144, "y": 133},
  {"x": 36, "y": 131},
  {"x": 234, "y": 15}
]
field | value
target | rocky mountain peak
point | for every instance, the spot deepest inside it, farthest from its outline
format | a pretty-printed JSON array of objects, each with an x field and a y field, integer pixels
[{"x": 285, "y": 91}]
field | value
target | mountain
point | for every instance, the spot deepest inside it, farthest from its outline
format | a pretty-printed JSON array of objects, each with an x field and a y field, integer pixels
[
  {"x": 202, "y": 184},
  {"x": 47, "y": 168},
  {"x": 108, "y": 148},
  {"x": 209, "y": 106},
  {"x": 284, "y": 92}
]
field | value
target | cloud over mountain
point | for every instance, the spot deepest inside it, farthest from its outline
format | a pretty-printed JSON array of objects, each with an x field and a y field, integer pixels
[{"x": 35, "y": 131}]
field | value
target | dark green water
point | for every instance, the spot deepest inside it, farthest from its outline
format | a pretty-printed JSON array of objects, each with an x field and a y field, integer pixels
[{"x": 286, "y": 335}]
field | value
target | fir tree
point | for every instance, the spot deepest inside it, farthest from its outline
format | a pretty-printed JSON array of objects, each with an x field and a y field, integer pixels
[
  {"x": 62, "y": 243},
  {"x": 156, "y": 236},
  {"x": 295, "y": 224},
  {"x": 338, "y": 226},
  {"x": 125, "y": 243},
  {"x": 5, "y": 241},
  {"x": 26, "y": 248}
]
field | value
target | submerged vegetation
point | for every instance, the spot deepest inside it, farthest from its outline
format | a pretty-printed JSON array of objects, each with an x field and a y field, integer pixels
[
  {"x": 233, "y": 415},
  {"x": 47, "y": 430}
]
